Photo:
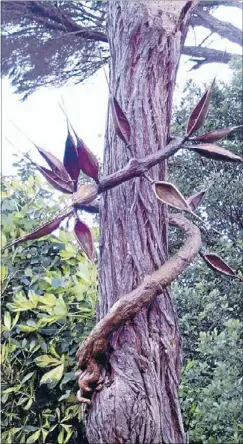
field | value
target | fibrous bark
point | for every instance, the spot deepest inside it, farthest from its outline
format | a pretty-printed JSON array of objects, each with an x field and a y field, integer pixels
[
  {"x": 139, "y": 401},
  {"x": 93, "y": 350}
]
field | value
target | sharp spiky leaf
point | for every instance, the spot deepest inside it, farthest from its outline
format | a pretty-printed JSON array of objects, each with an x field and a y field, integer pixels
[
  {"x": 200, "y": 112},
  {"x": 88, "y": 162},
  {"x": 215, "y": 152},
  {"x": 214, "y": 136},
  {"x": 216, "y": 263},
  {"x": 56, "y": 181},
  {"x": 121, "y": 124},
  {"x": 43, "y": 230},
  {"x": 170, "y": 195},
  {"x": 54, "y": 163},
  {"x": 84, "y": 238},
  {"x": 195, "y": 200},
  {"x": 71, "y": 160},
  {"x": 85, "y": 194}
]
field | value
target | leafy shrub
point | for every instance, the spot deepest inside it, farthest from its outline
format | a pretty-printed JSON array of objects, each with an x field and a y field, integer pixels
[{"x": 48, "y": 307}]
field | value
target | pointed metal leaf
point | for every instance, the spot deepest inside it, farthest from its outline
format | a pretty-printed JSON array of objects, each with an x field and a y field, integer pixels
[
  {"x": 212, "y": 151},
  {"x": 214, "y": 136},
  {"x": 170, "y": 195},
  {"x": 71, "y": 160},
  {"x": 216, "y": 263},
  {"x": 87, "y": 160},
  {"x": 200, "y": 112},
  {"x": 41, "y": 231},
  {"x": 121, "y": 124},
  {"x": 84, "y": 238},
  {"x": 195, "y": 200},
  {"x": 54, "y": 163},
  {"x": 85, "y": 194},
  {"x": 56, "y": 181}
]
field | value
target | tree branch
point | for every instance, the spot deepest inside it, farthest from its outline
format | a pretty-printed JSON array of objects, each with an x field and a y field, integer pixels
[
  {"x": 137, "y": 167},
  {"x": 201, "y": 55},
  {"x": 224, "y": 29},
  {"x": 216, "y": 3},
  {"x": 92, "y": 351}
]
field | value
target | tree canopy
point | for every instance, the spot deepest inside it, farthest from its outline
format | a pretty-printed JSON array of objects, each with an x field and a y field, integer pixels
[{"x": 50, "y": 43}]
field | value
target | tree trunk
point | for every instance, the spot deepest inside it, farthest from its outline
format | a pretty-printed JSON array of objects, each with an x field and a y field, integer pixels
[{"x": 139, "y": 400}]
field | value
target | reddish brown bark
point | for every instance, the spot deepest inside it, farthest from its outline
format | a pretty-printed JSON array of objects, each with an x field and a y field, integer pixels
[{"x": 139, "y": 401}]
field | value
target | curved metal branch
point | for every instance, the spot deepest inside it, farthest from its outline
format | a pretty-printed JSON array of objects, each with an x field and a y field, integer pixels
[{"x": 92, "y": 351}]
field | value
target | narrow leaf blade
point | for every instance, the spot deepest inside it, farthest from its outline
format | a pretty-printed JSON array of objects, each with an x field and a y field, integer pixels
[
  {"x": 214, "y": 136},
  {"x": 57, "y": 182},
  {"x": 216, "y": 263},
  {"x": 200, "y": 112},
  {"x": 88, "y": 162},
  {"x": 195, "y": 200},
  {"x": 84, "y": 238},
  {"x": 71, "y": 160},
  {"x": 43, "y": 230},
  {"x": 54, "y": 163},
  {"x": 215, "y": 152},
  {"x": 121, "y": 124},
  {"x": 170, "y": 195}
]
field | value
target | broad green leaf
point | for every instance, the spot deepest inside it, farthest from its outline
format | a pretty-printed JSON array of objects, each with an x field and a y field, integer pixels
[
  {"x": 68, "y": 430},
  {"x": 15, "y": 320},
  {"x": 12, "y": 389},
  {"x": 31, "y": 181},
  {"x": 53, "y": 376},
  {"x": 34, "y": 437},
  {"x": 22, "y": 401},
  {"x": 48, "y": 321},
  {"x": 65, "y": 396},
  {"x": 28, "y": 405},
  {"x": 52, "y": 351},
  {"x": 67, "y": 254},
  {"x": 28, "y": 272},
  {"x": 48, "y": 299},
  {"x": 27, "y": 377},
  {"x": 7, "y": 320},
  {"x": 21, "y": 303},
  {"x": 44, "y": 434},
  {"x": 60, "y": 308},
  {"x": 4, "y": 353},
  {"x": 60, "y": 438},
  {"x": 3, "y": 240},
  {"x": 4, "y": 272},
  {"x": 47, "y": 361},
  {"x": 26, "y": 328}
]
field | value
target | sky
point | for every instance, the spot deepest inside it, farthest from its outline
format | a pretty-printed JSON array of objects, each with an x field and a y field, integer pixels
[{"x": 42, "y": 120}]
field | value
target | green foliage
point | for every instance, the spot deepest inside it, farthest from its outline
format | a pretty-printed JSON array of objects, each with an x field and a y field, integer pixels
[
  {"x": 210, "y": 305},
  {"x": 48, "y": 308}
]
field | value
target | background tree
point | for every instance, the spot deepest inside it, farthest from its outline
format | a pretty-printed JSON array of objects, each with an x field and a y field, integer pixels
[
  {"x": 145, "y": 44},
  {"x": 210, "y": 306},
  {"x": 50, "y": 43}
]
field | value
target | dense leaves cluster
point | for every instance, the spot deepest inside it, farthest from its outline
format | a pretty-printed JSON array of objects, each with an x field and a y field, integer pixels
[
  {"x": 48, "y": 306},
  {"x": 209, "y": 305}
]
